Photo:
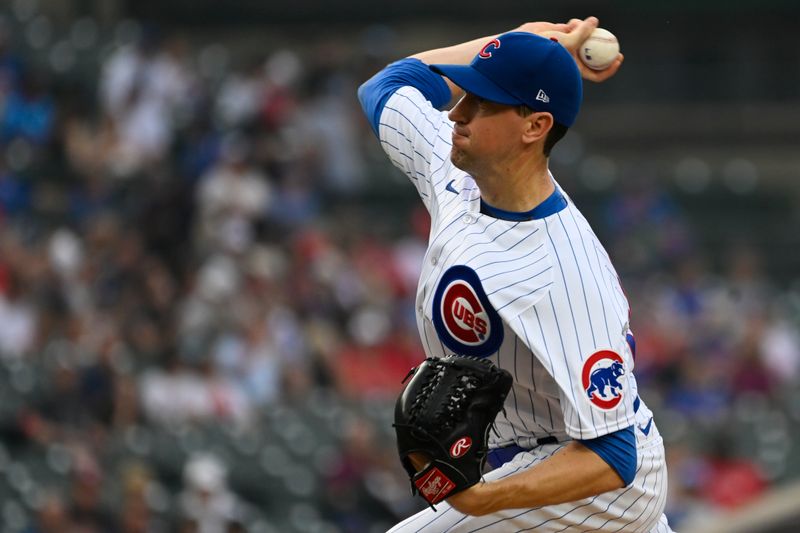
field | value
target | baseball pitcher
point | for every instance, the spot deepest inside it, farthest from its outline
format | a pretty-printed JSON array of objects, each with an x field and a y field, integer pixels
[{"x": 514, "y": 277}]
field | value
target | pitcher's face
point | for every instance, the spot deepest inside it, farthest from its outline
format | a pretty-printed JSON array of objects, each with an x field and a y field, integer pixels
[{"x": 484, "y": 133}]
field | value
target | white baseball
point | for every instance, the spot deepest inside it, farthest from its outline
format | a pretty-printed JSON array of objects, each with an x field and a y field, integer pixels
[{"x": 599, "y": 50}]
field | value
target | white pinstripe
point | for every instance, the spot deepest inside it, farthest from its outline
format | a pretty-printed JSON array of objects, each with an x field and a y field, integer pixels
[{"x": 559, "y": 301}]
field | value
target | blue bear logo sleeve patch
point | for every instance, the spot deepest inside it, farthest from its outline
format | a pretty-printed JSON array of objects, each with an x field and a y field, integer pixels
[{"x": 600, "y": 379}]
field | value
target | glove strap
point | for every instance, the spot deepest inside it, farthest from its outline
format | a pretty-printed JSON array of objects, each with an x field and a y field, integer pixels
[{"x": 433, "y": 485}]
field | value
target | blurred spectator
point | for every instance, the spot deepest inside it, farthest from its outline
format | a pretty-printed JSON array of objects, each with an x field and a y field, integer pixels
[
  {"x": 688, "y": 472},
  {"x": 376, "y": 369},
  {"x": 250, "y": 359},
  {"x": 144, "y": 89},
  {"x": 200, "y": 149},
  {"x": 87, "y": 509},
  {"x": 92, "y": 198},
  {"x": 51, "y": 516},
  {"x": 749, "y": 374},
  {"x": 646, "y": 226},
  {"x": 180, "y": 394},
  {"x": 352, "y": 485},
  {"x": 136, "y": 515},
  {"x": 18, "y": 316},
  {"x": 232, "y": 198},
  {"x": 29, "y": 111},
  {"x": 699, "y": 393},
  {"x": 59, "y": 413},
  {"x": 780, "y": 349},
  {"x": 240, "y": 95},
  {"x": 90, "y": 146},
  {"x": 207, "y": 504},
  {"x": 15, "y": 194},
  {"x": 748, "y": 289},
  {"x": 327, "y": 122},
  {"x": 296, "y": 201}
]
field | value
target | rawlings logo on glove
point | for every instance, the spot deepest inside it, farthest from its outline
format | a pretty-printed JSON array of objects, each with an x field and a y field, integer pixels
[
  {"x": 444, "y": 415},
  {"x": 460, "y": 447}
]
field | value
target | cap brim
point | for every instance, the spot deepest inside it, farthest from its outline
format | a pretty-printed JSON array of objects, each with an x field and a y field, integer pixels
[{"x": 476, "y": 83}]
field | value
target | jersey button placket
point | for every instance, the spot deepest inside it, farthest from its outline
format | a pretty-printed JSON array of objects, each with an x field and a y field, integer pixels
[{"x": 467, "y": 219}]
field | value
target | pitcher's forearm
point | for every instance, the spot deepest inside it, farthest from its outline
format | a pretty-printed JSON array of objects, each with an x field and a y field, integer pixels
[{"x": 572, "y": 474}]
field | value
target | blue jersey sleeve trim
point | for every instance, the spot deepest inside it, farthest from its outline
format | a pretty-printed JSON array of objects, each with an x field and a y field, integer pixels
[
  {"x": 618, "y": 449},
  {"x": 375, "y": 92}
]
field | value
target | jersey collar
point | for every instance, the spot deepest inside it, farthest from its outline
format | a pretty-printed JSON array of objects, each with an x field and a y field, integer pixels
[{"x": 550, "y": 206}]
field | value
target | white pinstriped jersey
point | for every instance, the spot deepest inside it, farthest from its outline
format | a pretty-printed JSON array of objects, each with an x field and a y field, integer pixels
[{"x": 540, "y": 297}]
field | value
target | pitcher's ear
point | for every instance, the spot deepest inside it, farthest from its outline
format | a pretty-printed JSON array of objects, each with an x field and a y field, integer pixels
[{"x": 537, "y": 126}]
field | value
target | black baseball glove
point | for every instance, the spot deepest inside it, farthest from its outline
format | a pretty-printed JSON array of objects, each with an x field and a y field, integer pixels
[{"x": 445, "y": 413}]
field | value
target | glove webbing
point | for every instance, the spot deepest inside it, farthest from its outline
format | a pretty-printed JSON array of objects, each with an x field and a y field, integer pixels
[{"x": 457, "y": 399}]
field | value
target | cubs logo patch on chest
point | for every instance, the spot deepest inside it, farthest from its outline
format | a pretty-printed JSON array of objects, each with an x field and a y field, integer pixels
[{"x": 464, "y": 319}]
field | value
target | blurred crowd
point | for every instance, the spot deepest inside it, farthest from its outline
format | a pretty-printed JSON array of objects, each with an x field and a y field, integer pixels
[{"x": 183, "y": 244}]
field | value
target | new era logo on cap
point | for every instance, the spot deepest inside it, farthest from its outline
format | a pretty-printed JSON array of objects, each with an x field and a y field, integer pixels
[{"x": 542, "y": 96}]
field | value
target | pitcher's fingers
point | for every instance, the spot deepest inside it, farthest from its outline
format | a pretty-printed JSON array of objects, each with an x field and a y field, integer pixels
[
  {"x": 598, "y": 76},
  {"x": 584, "y": 28},
  {"x": 573, "y": 23}
]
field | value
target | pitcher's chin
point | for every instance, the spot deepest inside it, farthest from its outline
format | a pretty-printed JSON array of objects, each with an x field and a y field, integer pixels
[{"x": 457, "y": 157}]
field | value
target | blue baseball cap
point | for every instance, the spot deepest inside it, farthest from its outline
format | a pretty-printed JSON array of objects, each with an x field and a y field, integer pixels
[{"x": 522, "y": 68}]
